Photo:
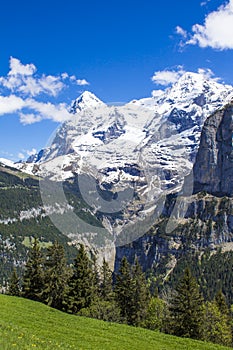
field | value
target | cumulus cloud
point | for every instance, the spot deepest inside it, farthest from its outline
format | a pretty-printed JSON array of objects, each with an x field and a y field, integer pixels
[
  {"x": 25, "y": 153},
  {"x": 40, "y": 110},
  {"x": 82, "y": 82},
  {"x": 207, "y": 73},
  {"x": 216, "y": 32},
  {"x": 22, "y": 79},
  {"x": 21, "y": 90},
  {"x": 17, "y": 68},
  {"x": 167, "y": 77},
  {"x": 10, "y": 104},
  {"x": 64, "y": 75},
  {"x": 31, "y": 152},
  {"x": 51, "y": 85},
  {"x": 29, "y": 118},
  {"x": 21, "y": 155},
  {"x": 181, "y": 31}
]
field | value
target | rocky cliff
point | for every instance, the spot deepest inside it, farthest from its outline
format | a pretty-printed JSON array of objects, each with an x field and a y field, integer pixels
[
  {"x": 203, "y": 221},
  {"x": 213, "y": 169}
]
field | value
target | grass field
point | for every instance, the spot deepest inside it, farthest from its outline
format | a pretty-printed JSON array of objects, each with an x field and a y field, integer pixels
[{"x": 25, "y": 324}]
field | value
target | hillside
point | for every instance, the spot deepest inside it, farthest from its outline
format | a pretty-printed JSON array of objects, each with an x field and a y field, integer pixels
[
  {"x": 25, "y": 325},
  {"x": 23, "y": 215}
]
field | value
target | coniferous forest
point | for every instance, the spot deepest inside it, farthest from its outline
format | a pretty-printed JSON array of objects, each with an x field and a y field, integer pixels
[{"x": 84, "y": 289}]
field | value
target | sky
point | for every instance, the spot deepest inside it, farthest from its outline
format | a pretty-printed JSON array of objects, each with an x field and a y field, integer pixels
[{"x": 52, "y": 51}]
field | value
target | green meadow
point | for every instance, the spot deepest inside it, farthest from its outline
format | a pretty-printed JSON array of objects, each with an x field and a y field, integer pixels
[{"x": 25, "y": 324}]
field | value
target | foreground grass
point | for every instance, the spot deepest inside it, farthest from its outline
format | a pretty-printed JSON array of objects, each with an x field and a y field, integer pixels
[{"x": 25, "y": 324}]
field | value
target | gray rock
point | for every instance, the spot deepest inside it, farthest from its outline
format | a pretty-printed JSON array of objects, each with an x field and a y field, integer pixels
[{"x": 213, "y": 169}]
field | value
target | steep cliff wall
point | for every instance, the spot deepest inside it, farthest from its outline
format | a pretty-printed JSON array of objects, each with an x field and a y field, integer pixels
[
  {"x": 213, "y": 169},
  {"x": 207, "y": 223},
  {"x": 207, "y": 218}
]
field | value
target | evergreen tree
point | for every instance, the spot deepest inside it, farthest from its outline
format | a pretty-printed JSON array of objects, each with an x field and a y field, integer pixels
[
  {"x": 132, "y": 292},
  {"x": 106, "y": 291},
  {"x": 141, "y": 296},
  {"x": 186, "y": 308},
  {"x": 33, "y": 278},
  {"x": 221, "y": 303},
  {"x": 81, "y": 284},
  {"x": 124, "y": 291},
  {"x": 14, "y": 287},
  {"x": 96, "y": 277},
  {"x": 56, "y": 276},
  {"x": 215, "y": 325}
]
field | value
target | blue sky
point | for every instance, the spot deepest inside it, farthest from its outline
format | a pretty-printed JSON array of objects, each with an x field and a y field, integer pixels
[{"x": 51, "y": 51}]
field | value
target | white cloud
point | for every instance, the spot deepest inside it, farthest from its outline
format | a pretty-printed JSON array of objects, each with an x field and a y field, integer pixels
[
  {"x": 21, "y": 89},
  {"x": 10, "y": 104},
  {"x": 31, "y": 152},
  {"x": 181, "y": 31},
  {"x": 167, "y": 77},
  {"x": 29, "y": 87},
  {"x": 82, "y": 82},
  {"x": 207, "y": 73},
  {"x": 64, "y": 75},
  {"x": 50, "y": 84},
  {"x": 204, "y": 3},
  {"x": 12, "y": 82},
  {"x": 22, "y": 79},
  {"x": 217, "y": 30},
  {"x": 29, "y": 118},
  {"x": 16, "y": 67},
  {"x": 41, "y": 110},
  {"x": 73, "y": 78},
  {"x": 26, "y": 153},
  {"x": 21, "y": 156}
]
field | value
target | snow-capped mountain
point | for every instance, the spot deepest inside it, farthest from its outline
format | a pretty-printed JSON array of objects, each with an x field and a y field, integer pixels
[
  {"x": 138, "y": 151},
  {"x": 6, "y": 162}
]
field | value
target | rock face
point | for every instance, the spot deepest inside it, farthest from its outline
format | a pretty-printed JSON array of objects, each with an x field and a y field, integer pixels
[
  {"x": 204, "y": 220},
  {"x": 207, "y": 224},
  {"x": 213, "y": 169}
]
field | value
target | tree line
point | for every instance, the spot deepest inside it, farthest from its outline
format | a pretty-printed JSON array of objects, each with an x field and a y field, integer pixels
[{"x": 85, "y": 289}]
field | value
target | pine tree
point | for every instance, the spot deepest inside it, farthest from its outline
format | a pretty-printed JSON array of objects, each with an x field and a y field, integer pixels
[
  {"x": 14, "y": 287},
  {"x": 141, "y": 296},
  {"x": 124, "y": 291},
  {"x": 96, "y": 277},
  {"x": 33, "y": 278},
  {"x": 56, "y": 276},
  {"x": 81, "y": 283},
  {"x": 221, "y": 303},
  {"x": 106, "y": 291},
  {"x": 186, "y": 308},
  {"x": 132, "y": 292}
]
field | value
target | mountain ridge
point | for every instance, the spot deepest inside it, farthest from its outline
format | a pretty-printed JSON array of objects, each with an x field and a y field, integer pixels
[{"x": 133, "y": 155}]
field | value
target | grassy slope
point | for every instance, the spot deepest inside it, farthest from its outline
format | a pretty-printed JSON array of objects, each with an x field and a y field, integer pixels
[{"x": 29, "y": 325}]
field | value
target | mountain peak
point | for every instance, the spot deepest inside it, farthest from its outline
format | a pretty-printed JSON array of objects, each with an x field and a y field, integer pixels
[
  {"x": 86, "y": 100},
  {"x": 190, "y": 85}
]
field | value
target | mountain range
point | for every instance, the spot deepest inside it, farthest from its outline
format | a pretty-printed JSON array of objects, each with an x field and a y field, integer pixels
[
  {"x": 137, "y": 153},
  {"x": 150, "y": 177}
]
